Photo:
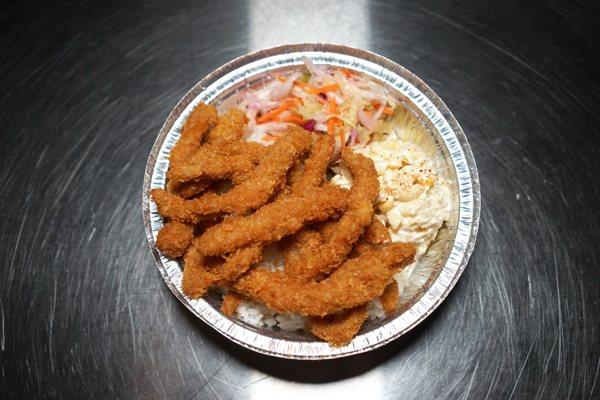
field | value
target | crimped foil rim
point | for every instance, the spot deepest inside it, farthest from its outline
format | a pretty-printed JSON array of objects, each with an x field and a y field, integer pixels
[{"x": 421, "y": 96}]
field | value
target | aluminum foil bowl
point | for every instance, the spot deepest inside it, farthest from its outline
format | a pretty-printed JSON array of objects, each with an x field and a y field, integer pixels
[{"x": 435, "y": 274}]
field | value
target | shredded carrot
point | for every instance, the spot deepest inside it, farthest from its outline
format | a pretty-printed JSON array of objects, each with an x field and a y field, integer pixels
[
  {"x": 296, "y": 100},
  {"x": 281, "y": 78},
  {"x": 304, "y": 85},
  {"x": 342, "y": 138},
  {"x": 291, "y": 118},
  {"x": 324, "y": 89},
  {"x": 331, "y": 124},
  {"x": 332, "y": 105},
  {"x": 270, "y": 137},
  {"x": 388, "y": 110},
  {"x": 271, "y": 115},
  {"x": 347, "y": 72}
]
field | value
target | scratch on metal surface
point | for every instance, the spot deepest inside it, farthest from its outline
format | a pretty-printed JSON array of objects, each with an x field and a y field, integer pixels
[
  {"x": 3, "y": 341},
  {"x": 51, "y": 330},
  {"x": 132, "y": 330},
  {"x": 493, "y": 382},
  {"x": 16, "y": 248},
  {"x": 530, "y": 293},
  {"x": 595, "y": 378},
  {"x": 256, "y": 381},
  {"x": 562, "y": 196},
  {"x": 74, "y": 171},
  {"x": 466, "y": 396},
  {"x": 523, "y": 366},
  {"x": 559, "y": 309},
  {"x": 210, "y": 379},
  {"x": 196, "y": 359}
]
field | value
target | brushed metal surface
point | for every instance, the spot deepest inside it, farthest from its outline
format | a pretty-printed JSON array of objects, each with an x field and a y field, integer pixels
[{"x": 86, "y": 86}]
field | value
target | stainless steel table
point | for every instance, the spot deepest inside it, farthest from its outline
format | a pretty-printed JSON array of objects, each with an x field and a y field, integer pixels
[{"x": 85, "y": 88}]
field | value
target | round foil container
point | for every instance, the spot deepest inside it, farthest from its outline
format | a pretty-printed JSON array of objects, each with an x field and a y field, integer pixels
[{"x": 438, "y": 270}]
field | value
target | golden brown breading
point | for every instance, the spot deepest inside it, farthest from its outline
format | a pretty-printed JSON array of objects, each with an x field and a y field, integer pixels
[
  {"x": 273, "y": 221},
  {"x": 200, "y": 120},
  {"x": 376, "y": 232},
  {"x": 339, "y": 329},
  {"x": 234, "y": 161},
  {"x": 355, "y": 282},
  {"x": 299, "y": 245},
  {"x": 315, "y": 165},
  {"x": 348, "y": 229},
  {"x": 252, "y": 193},
  {"x": 231, "y": 302},
  {"x": 214, "y": 161},
  {"x": 198, "y": 276},
  {"x": 174, "y": 238},
  {"x": 229, "y": 128},
  {"x": 389, "y": 298},
  {"x": 190, "y": 189},
  {"x": 397, "y": 255}
]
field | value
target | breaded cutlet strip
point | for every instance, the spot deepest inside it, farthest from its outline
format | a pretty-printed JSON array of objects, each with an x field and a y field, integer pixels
[
  {"x": 376, "y": 232},
  {"x": 234, "y": 161},
  {"x": 273, "y": 221},
  {"x": 389, "y": 298},
  {"x": 250, "y": 194},
  {"x": 223, "y": 142},
  {"x": 355, "y": 282},
  {"x": 315, "y": 165},
  {"x": 397, "y": 255},
  {"x": 311, "y": 172},
  {"x": 218, "y": 161},
  {"x": 338, "y": 329},
  {"x": 189, "y": 189},
  {"x": 350, "y": 227},
  {"x": 200, "y": 120},
  {"x": 229, "y": 128},
  {"x": 198, "y": 276},
  {"x": 174, "y": 238},
  {"x": 299, "y": 245},
  {"x": 231, "y": 302}
]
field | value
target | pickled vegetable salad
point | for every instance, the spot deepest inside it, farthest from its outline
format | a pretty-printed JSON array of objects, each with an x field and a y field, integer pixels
[{"x": 338, "y": 101}]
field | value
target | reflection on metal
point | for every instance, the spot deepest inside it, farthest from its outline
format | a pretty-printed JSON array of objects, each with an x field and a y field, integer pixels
[
  {"x": 453, "y": 246},
  {"x": 272, "y": 24}
]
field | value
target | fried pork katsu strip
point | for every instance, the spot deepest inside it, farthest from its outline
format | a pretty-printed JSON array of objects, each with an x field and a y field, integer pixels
[
  {"x": 354, "y": 283},
  {"x": 190, "y": 189},
  {"x": 376, "y": 232},
  {"x": 299, "y": 245},
  {"x": 397, "y": 255},
  {"x": 198, "y": 277},
  {"x": 235, "y": 161},
  {"x": 231, "y": 302},
  {"x": 174, "y": 238},
  {"x": 201, "y": 119},
  {"x": 339, "y": 329},
  {"x": 229, "y": 128},
  {"x": 252, "y": 193},
  {"x": 218, "y": 161},
  {"x": 389, "y": 298},
  {"x": 349, "y": 228},
  {"x": 273, "y": 221},
  {"x": 315, "y": 165}
]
